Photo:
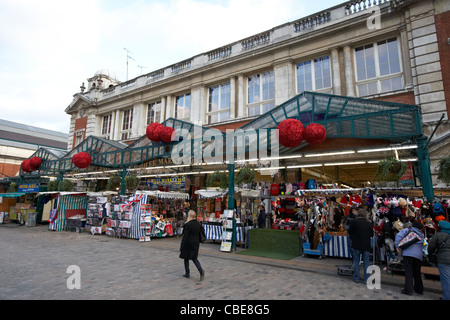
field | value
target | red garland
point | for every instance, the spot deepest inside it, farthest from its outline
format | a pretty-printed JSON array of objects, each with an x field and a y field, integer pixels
[
  {"x": 82, "y": 160},
  {"x": 290, "y": 133},
  {"x": 153, "y": 131},
  {"x": 166, "y": 134},
  {"x": 315, "y": 133}
]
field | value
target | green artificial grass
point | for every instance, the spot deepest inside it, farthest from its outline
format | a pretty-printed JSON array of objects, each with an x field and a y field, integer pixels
[{"x": 271, "y": 243}]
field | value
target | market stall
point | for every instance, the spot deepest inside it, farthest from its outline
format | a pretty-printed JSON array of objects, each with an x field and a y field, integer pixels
[
  {"x": 64, "y": 206},
  {"x": 156, "y": 214},
  {"x": 211, "y": 205}
]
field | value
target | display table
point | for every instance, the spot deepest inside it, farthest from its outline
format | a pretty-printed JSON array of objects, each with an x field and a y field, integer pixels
[
  {"x": 214, "y": 231},
  {"x": 338, "y": 245}
]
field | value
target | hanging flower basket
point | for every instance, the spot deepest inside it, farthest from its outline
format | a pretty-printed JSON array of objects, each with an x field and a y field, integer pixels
[
  {"x": 245, "y": 175},
  {"x": 82, "y": 160},
  {"x": 290, "y": 133},
  {"x": 444, "y": 170},
  {"x": 113, "y": 183},
  {"x": 390, "y": 169},
  {"x": 315, "y": 133},
  {"x": 217, "y": 179},
  {"x": 131, "y": 182}
]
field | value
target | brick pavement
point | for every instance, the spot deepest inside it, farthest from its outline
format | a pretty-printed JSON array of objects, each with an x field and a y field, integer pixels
[{"x": 34, "y": 265}]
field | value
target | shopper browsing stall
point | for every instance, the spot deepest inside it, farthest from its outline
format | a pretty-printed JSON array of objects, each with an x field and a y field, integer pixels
[{"x": 412, "y": 259}]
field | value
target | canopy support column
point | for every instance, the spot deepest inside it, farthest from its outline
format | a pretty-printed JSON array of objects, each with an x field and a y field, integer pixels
[{"x": 424, "y": 168}]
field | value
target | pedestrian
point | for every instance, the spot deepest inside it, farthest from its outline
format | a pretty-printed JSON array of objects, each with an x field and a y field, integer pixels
[
  {"x": 190, "y": 244},
  {"x": 261, "y": 217},
  {"x": 360, "y": 231},
  {"x": 412, "y": 259},
  {"x": 440, "y": 243}
]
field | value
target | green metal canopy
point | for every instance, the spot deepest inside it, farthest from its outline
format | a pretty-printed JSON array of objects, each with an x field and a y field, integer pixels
[{"x": 342, "y": 117}]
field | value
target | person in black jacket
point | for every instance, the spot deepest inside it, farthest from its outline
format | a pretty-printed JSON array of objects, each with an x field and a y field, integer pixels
[
  {"x": 360, "y": 232},
  {"x": 190, "y": 244}
]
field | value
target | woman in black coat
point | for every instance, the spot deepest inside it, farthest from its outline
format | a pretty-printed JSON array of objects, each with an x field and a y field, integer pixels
[{"x": 191, "y": 243}]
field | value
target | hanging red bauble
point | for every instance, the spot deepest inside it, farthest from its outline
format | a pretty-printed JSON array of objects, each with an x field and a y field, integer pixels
[
  {"x": 82, "y": 160},
  {"x": 153, "y": 131},
  {"x": 26, "y": 166},
  {"x": 166, "y": 134},
  {"x": 35, "y": 163},
  {"x": 290, "y": 133},
  {"x": 315, "y": 133}
]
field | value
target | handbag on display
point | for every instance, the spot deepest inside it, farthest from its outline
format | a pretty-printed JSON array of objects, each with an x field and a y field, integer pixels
[{"x": 409, "y": 240}]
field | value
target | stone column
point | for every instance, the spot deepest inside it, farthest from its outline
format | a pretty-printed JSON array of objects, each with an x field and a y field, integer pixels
[
  {"x": 336, "y": 72},
  {"x": 241, "y": 98},
  {"x": 232, "y": 98},
  {"x": 349, "y": 77}
]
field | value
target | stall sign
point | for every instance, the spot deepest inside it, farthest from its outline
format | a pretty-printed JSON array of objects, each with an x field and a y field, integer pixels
[
  {"x": 172, "y": 183},
  {"x": 408, "y": 178},
  {"x": 28, "y": 187}
]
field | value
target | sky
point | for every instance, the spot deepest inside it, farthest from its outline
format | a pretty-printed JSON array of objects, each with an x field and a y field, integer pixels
[{"x": 49, "y": 47}]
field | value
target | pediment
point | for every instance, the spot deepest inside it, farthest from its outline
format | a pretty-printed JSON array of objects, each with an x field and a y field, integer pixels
[{"x": 79, "y": 102}]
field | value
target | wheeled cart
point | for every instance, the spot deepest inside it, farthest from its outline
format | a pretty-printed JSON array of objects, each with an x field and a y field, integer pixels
[{"x": 315, "y": 252}]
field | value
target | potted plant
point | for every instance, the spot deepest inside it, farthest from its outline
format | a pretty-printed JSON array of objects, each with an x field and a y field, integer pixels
[
  {"x": 444, "y": 170},
  {"x": 245, "y": 175},
  {"x": 390, "y": 169}
]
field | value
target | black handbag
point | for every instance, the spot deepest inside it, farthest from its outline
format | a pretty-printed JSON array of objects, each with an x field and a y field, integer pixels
[{"x": 202, "y": 234}]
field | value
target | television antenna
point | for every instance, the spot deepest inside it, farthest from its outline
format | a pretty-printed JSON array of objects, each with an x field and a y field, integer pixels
[
  {"x": 128, "y": 57},
  {"x": 141, "y": 68}
]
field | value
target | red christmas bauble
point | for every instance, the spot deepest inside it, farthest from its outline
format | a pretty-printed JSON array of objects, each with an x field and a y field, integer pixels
[
  {"x": 26, "y": 166},
  {"x": 315, "y": 133},
  {"x": 153, "y": 131},
  {"x": 35, "y": 163},
  {"x": 166, "y": 134},
  {"x": 82, "y": 160},
  {"x": 290, "y": 133}
]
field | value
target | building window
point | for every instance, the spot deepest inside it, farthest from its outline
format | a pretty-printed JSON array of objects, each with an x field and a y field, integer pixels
[
  {"x": 314, "y": 75},
  {"x": 106, "y": 125},
  {"x": 261, "y": 93},
  {"x": 183, "y": 107},
  {"x": 378, "y": 68},
  {"x": 219, "y": 103},
  {"x": 127, "y": 124},
  {"x": 154, "y": 112}
]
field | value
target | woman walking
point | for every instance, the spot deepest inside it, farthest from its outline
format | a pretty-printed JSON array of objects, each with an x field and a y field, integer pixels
[{"x": 191, "y": 243}]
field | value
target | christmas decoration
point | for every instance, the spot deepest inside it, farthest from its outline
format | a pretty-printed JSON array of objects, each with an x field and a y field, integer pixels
[
  {"x": 315, "y": 133},
  {"x": 35, "y": 163},
  {"x": 26, "y": 166},
  {"x": 82, "y": 160},
  {"x": 153, "y": 131},
  {"x": 290, "y": 133},
  {"x": 166, "y": 134}
]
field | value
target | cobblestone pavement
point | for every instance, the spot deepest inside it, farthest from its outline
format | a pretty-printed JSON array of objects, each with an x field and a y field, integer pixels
[{"x": 34, "y": 264}]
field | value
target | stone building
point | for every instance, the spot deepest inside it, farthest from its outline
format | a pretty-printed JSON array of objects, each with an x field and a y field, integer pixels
[{"x": 397, "y": 51}]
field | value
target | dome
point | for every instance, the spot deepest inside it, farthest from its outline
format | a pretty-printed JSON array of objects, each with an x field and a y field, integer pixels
[{"x": 106, "y": 72}]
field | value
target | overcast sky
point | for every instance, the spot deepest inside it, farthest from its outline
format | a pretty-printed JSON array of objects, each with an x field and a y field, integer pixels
[{"x": 49, "y": 47}]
